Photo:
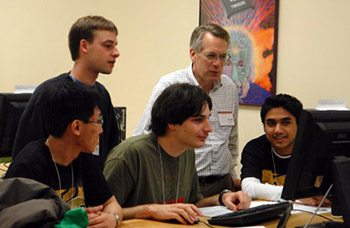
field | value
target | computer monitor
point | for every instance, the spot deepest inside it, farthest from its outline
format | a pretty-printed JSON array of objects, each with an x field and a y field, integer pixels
[
  {"x": 120, "y": 114},
  {"x": 11, "y": 108},
  {"x": 322, "y": 137}
]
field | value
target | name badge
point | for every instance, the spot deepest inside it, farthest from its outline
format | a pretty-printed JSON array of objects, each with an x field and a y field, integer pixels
[
  {"x": 226, "y": 119},
  {"x": 97, "y": 151}
]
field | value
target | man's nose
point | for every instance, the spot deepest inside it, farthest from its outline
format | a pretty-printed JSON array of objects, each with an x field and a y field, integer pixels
[
  {"x": 116, "y": 52},
  {"x": 208, "y": 127},
  {"x": 217, "y": 61},
  {"x": 278, "y": 128}
]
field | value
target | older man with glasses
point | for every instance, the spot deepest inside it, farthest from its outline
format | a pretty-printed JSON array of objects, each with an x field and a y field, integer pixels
[{"x": 217, "y": 159}]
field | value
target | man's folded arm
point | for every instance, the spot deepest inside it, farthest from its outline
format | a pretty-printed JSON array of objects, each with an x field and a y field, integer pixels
[{"x": 258, "y": 190}]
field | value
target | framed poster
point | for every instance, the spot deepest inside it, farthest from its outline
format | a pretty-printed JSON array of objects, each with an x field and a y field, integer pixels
[{"x": 252, "y": 25}]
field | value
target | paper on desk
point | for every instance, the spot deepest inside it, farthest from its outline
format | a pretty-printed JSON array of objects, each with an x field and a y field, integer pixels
[
  {"x": 332, "y": 104},
  {"x": 220, "y": 210},
  {"x": 214, "y": 211},
  {"x": 299, "y": 208}
]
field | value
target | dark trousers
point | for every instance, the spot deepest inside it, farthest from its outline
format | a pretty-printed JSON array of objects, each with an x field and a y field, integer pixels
[{"x": 212, "y": 185}]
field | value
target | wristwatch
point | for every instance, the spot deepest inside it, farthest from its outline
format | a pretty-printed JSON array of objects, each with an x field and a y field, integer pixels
[
  {"x": 117, "y": 219},
  {"x": 220, "y": 196}
]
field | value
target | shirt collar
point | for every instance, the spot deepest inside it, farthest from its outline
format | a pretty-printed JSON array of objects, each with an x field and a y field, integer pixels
[
  {"x": 280, "y": 156},
  {"x": 80, "y": 82},
  {"x": 217, "y": 84}
]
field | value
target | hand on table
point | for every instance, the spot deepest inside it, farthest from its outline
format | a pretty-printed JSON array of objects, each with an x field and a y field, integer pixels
[
  {"x": 98, "y": 218},
  {"x": 315, "y": 201},
  {"x": 184, "y": 213},
  {"x": 236, "y": 200}
]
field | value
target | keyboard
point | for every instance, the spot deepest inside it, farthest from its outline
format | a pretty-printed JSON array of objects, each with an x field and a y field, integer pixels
[{"x": 253, "y": 215}]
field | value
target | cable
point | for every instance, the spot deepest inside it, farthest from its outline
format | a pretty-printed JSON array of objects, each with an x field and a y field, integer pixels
[
  {"x": 323, "y": 199},
  {"x": 322, "y": 216}
]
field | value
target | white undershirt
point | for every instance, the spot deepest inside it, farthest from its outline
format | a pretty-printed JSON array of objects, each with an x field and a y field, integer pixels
[{"x": 258, "y": 190}]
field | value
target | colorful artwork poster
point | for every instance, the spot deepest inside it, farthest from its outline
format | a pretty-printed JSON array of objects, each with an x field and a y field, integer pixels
[{"x": 252, "y": 25}]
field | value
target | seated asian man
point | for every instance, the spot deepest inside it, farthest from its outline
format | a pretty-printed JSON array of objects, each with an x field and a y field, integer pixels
[
  {"x": 64, "y": 160},
  {"x": 154, "y": 175}
]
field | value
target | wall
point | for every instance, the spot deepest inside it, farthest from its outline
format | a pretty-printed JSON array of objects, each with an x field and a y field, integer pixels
[{"x": 313, "y": 48}]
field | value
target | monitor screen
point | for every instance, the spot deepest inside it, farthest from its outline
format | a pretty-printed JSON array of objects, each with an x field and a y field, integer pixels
[
  {"x": 11, "y": 107},
  {"x": 321, "y": 137},
  {"x": 120, "y": 114}
]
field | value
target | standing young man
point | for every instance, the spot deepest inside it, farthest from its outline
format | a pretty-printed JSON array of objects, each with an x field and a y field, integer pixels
[
  {"x": 154, "y": 175},
  {"x": 265, "y": 159},
  {"x": 92, "y": 43},
  {"x": 217, "y": 159},
  {"x": 63, "y": 160}
]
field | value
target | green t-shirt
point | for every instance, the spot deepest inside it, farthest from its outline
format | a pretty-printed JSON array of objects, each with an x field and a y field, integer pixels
[{"x": 133, "y": 171}]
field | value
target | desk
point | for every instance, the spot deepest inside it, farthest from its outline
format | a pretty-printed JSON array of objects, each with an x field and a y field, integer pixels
[{"x": 299, "y": 219}]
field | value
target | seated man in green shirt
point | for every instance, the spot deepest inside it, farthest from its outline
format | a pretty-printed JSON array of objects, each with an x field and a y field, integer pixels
[{"x": 154, "y": 175}]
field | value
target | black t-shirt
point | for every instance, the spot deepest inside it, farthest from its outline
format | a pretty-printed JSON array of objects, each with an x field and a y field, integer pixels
[
  {"x": 35, "y": 162},
  {"x": 257, "y": 162}
]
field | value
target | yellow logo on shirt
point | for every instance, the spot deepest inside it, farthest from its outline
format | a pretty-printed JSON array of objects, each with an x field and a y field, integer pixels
[{"x": 269, "y": 177}]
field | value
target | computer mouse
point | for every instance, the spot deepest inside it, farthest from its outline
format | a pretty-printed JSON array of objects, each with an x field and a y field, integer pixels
[{"x": 177, "y": 221}]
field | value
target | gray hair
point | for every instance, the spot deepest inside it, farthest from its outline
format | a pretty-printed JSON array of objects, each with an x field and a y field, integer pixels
[{"x": 197, "y": 35}]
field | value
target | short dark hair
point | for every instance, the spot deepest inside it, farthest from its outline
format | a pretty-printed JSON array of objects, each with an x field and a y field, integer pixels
[
  {"x": 196, "y": 41},
  {"x": 285, "y": 101},
  {"x": 66, "y": 101},
  {"x": 177, "y": 103},
  {"x": 84, "y": 28}
]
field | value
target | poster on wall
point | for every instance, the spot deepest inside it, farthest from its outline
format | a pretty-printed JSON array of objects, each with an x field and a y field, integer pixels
[{"x": 252, "y": 25}]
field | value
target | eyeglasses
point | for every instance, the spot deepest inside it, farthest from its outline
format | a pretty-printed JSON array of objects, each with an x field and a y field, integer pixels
[
  {"x": 99, "y": 121},
  {"x": 213, "y": 57}
]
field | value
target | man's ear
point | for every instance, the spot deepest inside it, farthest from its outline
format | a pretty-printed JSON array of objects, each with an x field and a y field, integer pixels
[
  {"x": 76, "y": 127},
  {"x": 171, "y": 127},
  {"x": 192, "y": 54},
  {"x": 84, "y": 45}
]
